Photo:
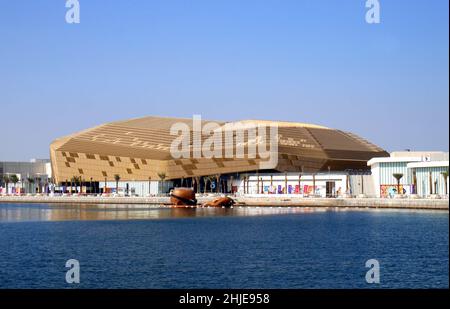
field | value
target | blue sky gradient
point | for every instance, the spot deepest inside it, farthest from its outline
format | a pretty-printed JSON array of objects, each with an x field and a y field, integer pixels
[{"x": 308, "y": 61}]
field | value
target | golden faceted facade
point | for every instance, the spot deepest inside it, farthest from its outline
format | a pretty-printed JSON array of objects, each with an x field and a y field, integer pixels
[{"x": 139, "y": 149}]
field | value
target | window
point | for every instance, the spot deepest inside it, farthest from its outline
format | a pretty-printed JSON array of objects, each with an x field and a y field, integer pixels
[
  {"x": 132, "y": 160},
  {"x": 73, "y": 154},
  {"x": 111, "y": 163},
  {"x": 67, "y": 164},
  {"x": 104, "y": 158},
  {"x": 118, "y": 159},
  {"x": 63, "y": 154},
  {"x": 144, "y": 161},
  {"x": 136, "y": 166},
  {"x": 129, "y": 171},
  {"x": 80, "y": 170},
  {"x": 104, "y": 174},
  {"x": 90, "y": 156},
  {"x": 70, "y": 159}
]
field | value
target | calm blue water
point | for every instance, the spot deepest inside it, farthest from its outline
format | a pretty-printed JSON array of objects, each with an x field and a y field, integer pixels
[{"x": 143, "y": 247}]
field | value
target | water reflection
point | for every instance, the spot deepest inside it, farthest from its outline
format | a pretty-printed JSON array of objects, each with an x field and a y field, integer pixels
[{"x": 42, "y": 212}]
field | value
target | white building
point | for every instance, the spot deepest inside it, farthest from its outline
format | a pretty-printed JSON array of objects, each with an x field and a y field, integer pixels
[
  {"x": 418, "y": 171},
  {"x": 32, "y": 176}
]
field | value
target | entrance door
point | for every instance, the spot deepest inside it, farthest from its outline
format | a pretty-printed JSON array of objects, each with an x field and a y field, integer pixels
[{"x": 330, "y": 189}]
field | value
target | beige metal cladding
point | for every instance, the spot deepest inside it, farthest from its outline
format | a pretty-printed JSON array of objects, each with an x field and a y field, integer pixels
[{"x": 139, "y": 148}]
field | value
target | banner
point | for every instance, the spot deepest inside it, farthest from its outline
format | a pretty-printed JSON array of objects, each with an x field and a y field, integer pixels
[{"x": 391, "y": 190}]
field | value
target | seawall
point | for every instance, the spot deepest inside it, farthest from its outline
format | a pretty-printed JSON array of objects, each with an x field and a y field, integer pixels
[{"x": 279, "y": 201}]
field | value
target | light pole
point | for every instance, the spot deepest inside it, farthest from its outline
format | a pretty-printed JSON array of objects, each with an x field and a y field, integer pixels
[
  {"x": 314, "y": 184},
  {"x": 329, "y": 181}
]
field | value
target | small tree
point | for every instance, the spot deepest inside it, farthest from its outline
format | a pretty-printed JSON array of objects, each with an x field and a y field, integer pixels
[
  {"x": 117, "y": 179},
  {"x": 398, "y": 176},
  {"x": 162, "y": 176},
  {"x": 445, "y": 175},
  {"x": 6, "y": 180}
]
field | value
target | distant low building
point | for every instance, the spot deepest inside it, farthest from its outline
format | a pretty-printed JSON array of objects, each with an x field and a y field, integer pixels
[
  {"x": 422, "y": 173},
  {"x": 32, "y": 176}
]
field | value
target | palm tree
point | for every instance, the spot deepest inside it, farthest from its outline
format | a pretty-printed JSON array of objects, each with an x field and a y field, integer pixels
[
  {"x": 14, "y": 179},
  {"x": 162, "y": 176},
  {"x": 218, "y": 187},
  {"x": 414, "y": 182},
  {"x": 248, "y": 184},
  {"x": 205, "y": 183},
  {"x": 347, "y": 183},
  {"x": 430, "y": 180},
  {"x": 117, "y": 178},
  {"x": 209, "y": 179},
  {"x": 38, "y": 179},
  {"x": 197, "y": 184},
  {"x": 445, "y": 175},
  {"x": 285, "y": 183},
  {"x": 73, "y": 182},
  {"x": 30, "y": 182},
  {"x": 231, "y": 183},
  {"x": 398, "y": 176},
  {"x": 212, "y": 178},
  {"x": 81, "y": 183},
  {"x": 6, "y": 180},
  {"x": 257, "y": 181}
]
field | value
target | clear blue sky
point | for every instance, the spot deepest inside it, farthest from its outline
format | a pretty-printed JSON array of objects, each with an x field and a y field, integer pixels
[{"x": 310, "y": 61}]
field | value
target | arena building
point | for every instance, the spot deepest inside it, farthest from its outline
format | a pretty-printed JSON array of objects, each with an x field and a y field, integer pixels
[{"x": 136, "y": 154}]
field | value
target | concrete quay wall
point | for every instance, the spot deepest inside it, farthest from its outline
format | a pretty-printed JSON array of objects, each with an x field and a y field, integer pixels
[{"x": 279, "y": 201}]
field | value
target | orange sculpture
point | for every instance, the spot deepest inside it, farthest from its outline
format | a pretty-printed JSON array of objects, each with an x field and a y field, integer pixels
[
  {"x": 220, "y": 202},
  {"x": 183, "y": 197}
]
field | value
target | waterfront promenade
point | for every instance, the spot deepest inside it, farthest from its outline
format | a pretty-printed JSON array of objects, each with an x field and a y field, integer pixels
[{"x": 259, "y": 201}]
